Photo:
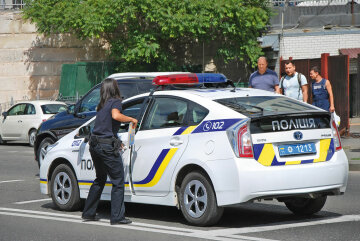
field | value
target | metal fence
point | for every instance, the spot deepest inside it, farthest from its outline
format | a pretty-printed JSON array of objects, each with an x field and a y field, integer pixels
[{"x": 11, "y": 4}]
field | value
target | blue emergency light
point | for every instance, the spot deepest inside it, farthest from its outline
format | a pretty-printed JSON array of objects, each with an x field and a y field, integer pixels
[
  {"x": 211, "y": 78},
  {"x": 189, "y": 79}
]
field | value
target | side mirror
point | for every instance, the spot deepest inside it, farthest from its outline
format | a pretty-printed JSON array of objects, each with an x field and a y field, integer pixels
[
  {"x": 71, "y": 109},
  {"x": 84, "y": 132},
  {"x": 5, "y": 114},
  {"x": 124, "y": 126}
]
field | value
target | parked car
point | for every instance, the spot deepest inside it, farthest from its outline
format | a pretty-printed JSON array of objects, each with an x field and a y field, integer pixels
[
  {"x": 204, "y": 149},
  {"x": 50, "y": 131},
  {"x": 22, "y": 120}
]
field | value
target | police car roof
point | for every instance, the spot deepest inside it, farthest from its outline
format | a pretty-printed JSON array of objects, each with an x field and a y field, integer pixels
[
  {"x": 219, "y": 93},
  {"x": 213, "y": 94}
]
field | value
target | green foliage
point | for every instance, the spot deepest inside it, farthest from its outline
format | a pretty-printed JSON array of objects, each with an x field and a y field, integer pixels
[{"x": 151, "y": 34}]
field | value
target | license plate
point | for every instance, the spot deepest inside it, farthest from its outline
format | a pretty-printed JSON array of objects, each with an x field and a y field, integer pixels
[{"x": 297, "y": 149}]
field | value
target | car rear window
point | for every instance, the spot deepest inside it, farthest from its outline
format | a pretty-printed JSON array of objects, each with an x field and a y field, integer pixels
[
  {"x": 265, "y": 105},
  {"x": 53, "y": 108}
]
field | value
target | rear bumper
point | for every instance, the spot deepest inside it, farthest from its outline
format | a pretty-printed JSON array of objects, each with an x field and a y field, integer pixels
[{"x": 249, "y": 180}]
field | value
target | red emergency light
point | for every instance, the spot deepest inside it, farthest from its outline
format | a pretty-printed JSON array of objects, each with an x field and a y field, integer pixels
[{"x": 176, "y": 79}]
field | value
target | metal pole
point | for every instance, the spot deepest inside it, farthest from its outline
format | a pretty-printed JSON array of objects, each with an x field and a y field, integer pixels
[
  {"x": 352, "y": 13},
  {"x": 203, "y": 58}
]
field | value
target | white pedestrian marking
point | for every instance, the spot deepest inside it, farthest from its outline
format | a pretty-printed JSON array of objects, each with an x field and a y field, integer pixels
[
  {"x": 278, "y": 226},
  {"x": 34, "y": 201},
  {"x": 11, "y": 181},
  {"x": 186, "y": 232}
]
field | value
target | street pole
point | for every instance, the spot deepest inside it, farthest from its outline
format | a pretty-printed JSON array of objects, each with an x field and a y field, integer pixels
[{"x": 352, "y": 13}]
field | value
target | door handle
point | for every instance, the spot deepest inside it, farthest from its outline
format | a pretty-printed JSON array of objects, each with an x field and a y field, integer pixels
[{"x": 176, "y": 142}]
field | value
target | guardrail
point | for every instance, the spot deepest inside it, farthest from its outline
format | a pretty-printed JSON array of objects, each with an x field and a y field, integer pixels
[{"x": 11, "y": 4}]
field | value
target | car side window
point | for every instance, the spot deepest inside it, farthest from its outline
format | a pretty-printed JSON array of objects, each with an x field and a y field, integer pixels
[
  {"x": 17, "y": 110},
  {"x": 90, "y": 101},
  {"x": 127, "y": 89},
  {"x": 30, "y": 109},
  {"x": 166, "y": 112},
  {"x": 197, "y": 114},
  {"x": 132, "y": 109}
]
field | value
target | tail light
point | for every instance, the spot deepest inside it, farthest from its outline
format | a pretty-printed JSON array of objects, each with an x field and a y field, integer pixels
[
  {"x": 240, "y": 139},
  {"x": 336, "y": 135}
]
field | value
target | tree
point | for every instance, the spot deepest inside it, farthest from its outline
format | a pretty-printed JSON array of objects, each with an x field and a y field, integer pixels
[{"x": 151, "y": 33}]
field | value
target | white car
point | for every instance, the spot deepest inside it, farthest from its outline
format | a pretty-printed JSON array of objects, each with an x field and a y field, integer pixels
[
  {"x": 22, "y": 120},
  {"x": 204, "y": 149}
]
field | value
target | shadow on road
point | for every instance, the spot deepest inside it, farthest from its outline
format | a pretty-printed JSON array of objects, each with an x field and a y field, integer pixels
[{"x": 245, "y": 215}]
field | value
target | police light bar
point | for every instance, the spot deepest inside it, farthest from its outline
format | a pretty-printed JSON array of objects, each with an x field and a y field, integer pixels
[{"x": 189, "y": 79}]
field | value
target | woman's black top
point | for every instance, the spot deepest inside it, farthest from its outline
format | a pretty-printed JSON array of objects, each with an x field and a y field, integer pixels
[{"x": 105, "y": 125}]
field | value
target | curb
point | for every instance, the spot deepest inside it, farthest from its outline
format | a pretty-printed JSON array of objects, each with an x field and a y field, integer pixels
[{"x": 354, "y": 167}]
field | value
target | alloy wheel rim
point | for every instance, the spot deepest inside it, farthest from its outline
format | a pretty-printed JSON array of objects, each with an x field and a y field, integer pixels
[
  {"x": 62, "y": 188},
  {"x": 195, "y": 198},
  {"x": 32, "y": 138}
]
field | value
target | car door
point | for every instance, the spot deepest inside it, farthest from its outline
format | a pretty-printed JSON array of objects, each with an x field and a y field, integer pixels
[
  {"x": 159, "y": 146},
  {"x": 84, "y": 161},
  {"x": 29, "y": 120},
  {"x": 136, "y": 109},
  {"x": 12, "y": 125}
]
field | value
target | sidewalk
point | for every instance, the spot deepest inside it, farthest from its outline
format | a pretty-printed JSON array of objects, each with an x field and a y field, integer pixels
[{"x": 351, "y": 144}]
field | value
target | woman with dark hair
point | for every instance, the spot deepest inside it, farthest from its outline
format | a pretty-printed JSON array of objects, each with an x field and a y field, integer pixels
[
  {"x": 104, "y": 149},
  {"x": 322, "y": 91}
]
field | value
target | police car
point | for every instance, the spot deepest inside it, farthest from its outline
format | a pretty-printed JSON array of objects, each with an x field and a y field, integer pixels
[{"x": 202, "y": 149}]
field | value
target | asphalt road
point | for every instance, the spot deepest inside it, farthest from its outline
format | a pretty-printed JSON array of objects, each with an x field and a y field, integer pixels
[{"x": 26, "y": 214}]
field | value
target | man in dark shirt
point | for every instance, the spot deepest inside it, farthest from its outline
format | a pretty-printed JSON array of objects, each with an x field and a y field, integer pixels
[{"x": 264, "y": 78}]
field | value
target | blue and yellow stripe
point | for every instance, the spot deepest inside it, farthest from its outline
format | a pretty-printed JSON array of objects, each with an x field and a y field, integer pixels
[
  {"x": 43, "y": 181},
  {"x": 184, "y": 130},
  {"x": 154, "y": 175},
  {"x": 265, "y": 154}
]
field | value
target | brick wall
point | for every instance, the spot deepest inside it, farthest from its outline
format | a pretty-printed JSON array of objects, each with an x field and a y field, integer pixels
[
  {"x": 30, "y": 64},
  {"x": 302, "y": 46}
]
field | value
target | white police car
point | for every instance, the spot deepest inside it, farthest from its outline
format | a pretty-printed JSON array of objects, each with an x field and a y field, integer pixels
[{"x": 202, "y": 149}]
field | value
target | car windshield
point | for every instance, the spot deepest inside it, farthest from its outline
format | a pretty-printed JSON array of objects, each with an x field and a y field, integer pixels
[
  {"x": 53, "y": 108},
  {"x": 265, "y": 105}
]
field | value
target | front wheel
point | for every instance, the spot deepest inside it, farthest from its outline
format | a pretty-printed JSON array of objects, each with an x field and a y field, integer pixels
[
  {"x": 64, "y": 188},
  {"x": 32, "y": 136},
  {"x": 305, "y": 206},
  {"x": 198, "y": 201}
]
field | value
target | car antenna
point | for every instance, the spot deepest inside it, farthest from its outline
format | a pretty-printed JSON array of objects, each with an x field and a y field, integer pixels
[{"x": 233, "y": 90}]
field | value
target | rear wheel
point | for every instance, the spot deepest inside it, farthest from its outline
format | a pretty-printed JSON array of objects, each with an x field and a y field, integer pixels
[
  {"x": 32, "y": 136},
  {"x": 64, "y": 188},
  {"x": 41, "y": 151},
  {"x": 198, "y": 201},
  {"x": 305, "y": 206}
]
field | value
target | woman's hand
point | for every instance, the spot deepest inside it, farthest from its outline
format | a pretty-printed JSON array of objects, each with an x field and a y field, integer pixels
[{"x": 134, "y": 122}]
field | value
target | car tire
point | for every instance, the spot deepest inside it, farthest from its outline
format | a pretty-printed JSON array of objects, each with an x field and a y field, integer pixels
[
  {"x": 41, "y": 151},
  {"x": 305, "y": 206},
  {"x": 64, "y": 189},
  {"x": 198, "y": 200},
  {"x": 32, "y": 137},
  {"x": 2, "y": 141}
]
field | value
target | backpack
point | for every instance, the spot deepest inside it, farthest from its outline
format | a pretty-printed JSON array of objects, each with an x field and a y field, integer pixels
[{"x": 282, "y": 80}]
